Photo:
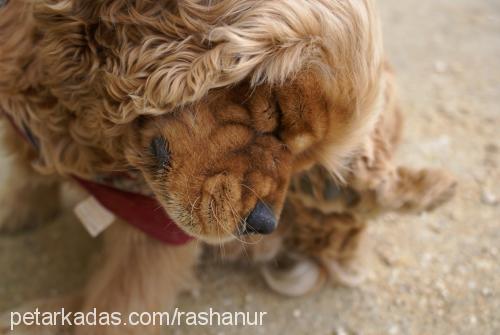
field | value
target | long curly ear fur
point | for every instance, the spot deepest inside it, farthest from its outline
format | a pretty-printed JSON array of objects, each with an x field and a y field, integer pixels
[{"x": 79, "y": 72}]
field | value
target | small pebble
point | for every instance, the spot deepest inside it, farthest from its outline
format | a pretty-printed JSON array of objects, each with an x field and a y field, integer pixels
[
  {"x": 387, "y": 257},
  {"x": 486, "y": 292},
  {"x": 426, "y": 259},
  {"x": 488, "y": 198},
  {"x": 297, "y": 313},
  {"x": 442, "y": 289},
  {"x": 435, "y": 227},
  {"x": 440, "y": 66},
  {"x": 462, "y": 270},
  {"x": 472, "y": 285},
  {"x": 484, "y": 265}
]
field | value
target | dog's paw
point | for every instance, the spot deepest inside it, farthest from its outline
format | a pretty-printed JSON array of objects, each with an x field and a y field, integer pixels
[
  {"x": 438, "y": 187},
  {"x": 427, "y": 189},
  {"x": 293, "y": 276},
  {"x": 417, "y": 190}
]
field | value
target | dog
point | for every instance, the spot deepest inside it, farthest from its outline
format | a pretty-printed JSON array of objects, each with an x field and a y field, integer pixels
[{"x": 217, "y": 105}]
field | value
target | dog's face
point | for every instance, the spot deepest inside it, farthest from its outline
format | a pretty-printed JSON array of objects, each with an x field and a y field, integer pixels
[{"x": 221, "y": 168}]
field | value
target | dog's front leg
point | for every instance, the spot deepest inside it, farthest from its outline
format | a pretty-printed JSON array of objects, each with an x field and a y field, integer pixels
[{"x": 137, "y": 274}]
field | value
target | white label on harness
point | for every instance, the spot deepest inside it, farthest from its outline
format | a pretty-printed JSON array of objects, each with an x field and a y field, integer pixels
[{"x": 94, "y": 217}]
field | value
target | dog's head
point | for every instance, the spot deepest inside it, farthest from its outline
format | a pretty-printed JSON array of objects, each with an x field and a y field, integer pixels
[{"x": 221, "y": 167}]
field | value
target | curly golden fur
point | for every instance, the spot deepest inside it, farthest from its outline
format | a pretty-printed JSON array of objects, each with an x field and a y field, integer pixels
[{"x": 244, "y": 94}]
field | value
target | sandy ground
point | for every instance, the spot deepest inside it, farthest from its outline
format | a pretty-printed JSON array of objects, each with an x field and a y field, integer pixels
[{"x": 433, "y": 274}]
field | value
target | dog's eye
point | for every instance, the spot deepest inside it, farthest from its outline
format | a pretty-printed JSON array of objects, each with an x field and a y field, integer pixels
[{"x": 159, "y": 149}]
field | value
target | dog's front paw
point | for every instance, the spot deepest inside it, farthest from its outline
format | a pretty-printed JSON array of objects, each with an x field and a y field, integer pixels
[
  {"x": 438, "y": 187},
  {"x": 430, "y": 188},
  {"x": 417, "y": 190}
]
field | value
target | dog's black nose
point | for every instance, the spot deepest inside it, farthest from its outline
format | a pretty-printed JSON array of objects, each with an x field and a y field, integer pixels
[{"x": 261, "y": 220}]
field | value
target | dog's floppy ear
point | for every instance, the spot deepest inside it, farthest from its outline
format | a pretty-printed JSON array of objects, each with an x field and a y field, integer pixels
[
  {"x": 322, "y": 124},
  {"x": 304, "y": 116}
]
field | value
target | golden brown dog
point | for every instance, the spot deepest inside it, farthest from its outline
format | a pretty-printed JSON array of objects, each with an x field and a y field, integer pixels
[{"x": 217, "y": 103}]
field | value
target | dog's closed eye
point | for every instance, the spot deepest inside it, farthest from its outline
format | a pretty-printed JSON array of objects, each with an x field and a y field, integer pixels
[{"x": 159, "y": 150}]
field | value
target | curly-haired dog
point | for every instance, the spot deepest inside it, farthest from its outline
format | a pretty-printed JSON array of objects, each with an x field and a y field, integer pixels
[{"x": 217, "y": 104}]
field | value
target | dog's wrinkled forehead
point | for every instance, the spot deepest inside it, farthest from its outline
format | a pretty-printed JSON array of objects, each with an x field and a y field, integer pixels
[
  {"x": 226, "y": 121},
  {"x": 238, "y": 105}
]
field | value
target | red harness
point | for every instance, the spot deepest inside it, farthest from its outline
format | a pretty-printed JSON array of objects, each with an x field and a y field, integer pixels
[{"x": 141, "y": 211}]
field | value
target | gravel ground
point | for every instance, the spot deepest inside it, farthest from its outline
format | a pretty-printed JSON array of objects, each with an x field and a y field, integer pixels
[{"x": 431, "y": 274}]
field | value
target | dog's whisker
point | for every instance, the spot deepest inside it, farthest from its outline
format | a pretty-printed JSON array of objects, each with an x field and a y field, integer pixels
[
  {"x": 211, "y": 207},
  {"x": 193, "y": 205},
  {"x": 240, "y": 219},
  {"x": 218, "y": 227}
]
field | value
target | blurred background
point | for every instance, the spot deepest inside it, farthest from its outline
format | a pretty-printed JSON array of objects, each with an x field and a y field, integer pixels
[{"x": 437, "y": 273}]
